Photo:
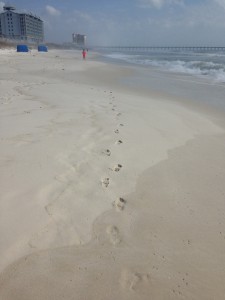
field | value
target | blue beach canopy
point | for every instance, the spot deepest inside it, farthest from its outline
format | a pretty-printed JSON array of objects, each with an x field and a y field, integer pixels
[
  {"x": 42, "y": 48},
  {"x": 22, "y": 48}
]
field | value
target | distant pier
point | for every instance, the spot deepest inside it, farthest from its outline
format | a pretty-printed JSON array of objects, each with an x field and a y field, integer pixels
[{"x": 163, "y": 48}]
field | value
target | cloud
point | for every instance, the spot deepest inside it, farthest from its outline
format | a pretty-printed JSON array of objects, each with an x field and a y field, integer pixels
[
  {"x": 221, "y": 3},
  {"x": 82, "y": 16},
  {"x": 156, "y": 3},
  {"x": 52, "y": 11},
  {"x": 1, "y": 6},
  {"x": 159, "y": 3},
  {"x": 172, "y": 22}
]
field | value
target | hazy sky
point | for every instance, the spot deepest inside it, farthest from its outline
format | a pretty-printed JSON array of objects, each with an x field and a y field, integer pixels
[{"x": 131, "y": 22}]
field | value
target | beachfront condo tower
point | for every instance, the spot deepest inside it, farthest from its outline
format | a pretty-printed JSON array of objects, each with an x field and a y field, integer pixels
[
  {"x": 79, "y": 39},
  {"x": 20, "y": 26}
]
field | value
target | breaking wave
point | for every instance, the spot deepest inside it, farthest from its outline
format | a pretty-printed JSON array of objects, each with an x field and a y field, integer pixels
[{"x": 207, "y": 65}]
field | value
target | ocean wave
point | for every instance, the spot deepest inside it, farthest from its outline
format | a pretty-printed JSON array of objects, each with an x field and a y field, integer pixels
[{"x": 214, "y": 70}]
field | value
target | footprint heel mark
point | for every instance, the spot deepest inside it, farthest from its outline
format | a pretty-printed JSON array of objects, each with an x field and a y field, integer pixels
[
  {"x": 113, "y": 234},
  {"x": 119, "y": 204},
  {"x": 105, "y": 182},
  {"x": 117, "y": 168},
  {"x": 107, "y": 152}
]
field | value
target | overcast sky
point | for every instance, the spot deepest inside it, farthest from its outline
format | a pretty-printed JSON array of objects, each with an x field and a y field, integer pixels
[{"x": 131, "y": 22}]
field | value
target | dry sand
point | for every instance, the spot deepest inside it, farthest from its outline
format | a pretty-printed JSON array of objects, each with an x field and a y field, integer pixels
[{"x": 105, "y": 194}]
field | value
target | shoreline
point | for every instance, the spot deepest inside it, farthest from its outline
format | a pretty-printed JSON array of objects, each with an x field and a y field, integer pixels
[
  {"x": 105, "y": 186},
  {"x": 176, "y": 87}
]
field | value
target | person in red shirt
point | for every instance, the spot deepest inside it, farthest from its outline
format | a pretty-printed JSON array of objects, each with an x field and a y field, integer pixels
[{"x": 84, "y": 53}]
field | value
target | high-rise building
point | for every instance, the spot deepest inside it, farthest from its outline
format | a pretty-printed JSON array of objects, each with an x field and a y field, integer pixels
[
  {"x": 20, "y": 26},
  {"x": 79, "y": 39}
]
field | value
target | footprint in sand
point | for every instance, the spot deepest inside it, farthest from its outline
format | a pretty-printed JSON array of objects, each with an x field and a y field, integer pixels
[
  {"x": 117, "y": 167},
  {"x": 119, "y": 204},
  {"x": 105, "y": 182},
  {"x": 48, "y": 209},
  {"x": 134, "y": 281},
  {"x": 119, "y": 142},
  {"x": 116, "y": 131},
  {"x": 121, "y": 124},
  {"x": 107, "y": 152},
  {"x": 119, "y": 114},
  {"x": 113, "y": 234}
]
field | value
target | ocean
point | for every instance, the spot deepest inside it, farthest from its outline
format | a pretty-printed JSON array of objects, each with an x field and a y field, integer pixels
[
  {"x": 205, "y": 64},
  {"x": 189, "y": 76}
]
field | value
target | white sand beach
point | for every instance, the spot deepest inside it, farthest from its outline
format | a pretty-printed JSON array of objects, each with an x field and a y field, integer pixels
[{"x": 105, "y": 192}]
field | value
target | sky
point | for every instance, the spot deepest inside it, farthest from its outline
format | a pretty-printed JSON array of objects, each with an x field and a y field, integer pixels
[{"x": 131, "y": 22}]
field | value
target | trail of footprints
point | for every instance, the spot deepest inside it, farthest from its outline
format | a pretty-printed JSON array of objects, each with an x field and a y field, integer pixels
[
  {"x": 119, "y": 204},
  {"x": 130, "y": 279}
]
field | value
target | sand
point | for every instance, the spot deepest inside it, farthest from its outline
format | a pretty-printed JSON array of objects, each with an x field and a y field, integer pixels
[{"x": 106, "y": 192}]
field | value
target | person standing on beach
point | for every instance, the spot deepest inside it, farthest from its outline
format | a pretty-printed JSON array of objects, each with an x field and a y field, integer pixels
[{"x": 84, "y": 53}]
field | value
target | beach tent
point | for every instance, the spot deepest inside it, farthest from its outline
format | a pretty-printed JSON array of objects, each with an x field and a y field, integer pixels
[
  {"x": 42, "y": 48},
  {"x": 22, "y": 48}
]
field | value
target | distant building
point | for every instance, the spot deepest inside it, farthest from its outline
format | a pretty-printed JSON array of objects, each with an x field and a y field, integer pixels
[
  {"x": 20, "y": 26},
  {"x": 79, "y": 39}
]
